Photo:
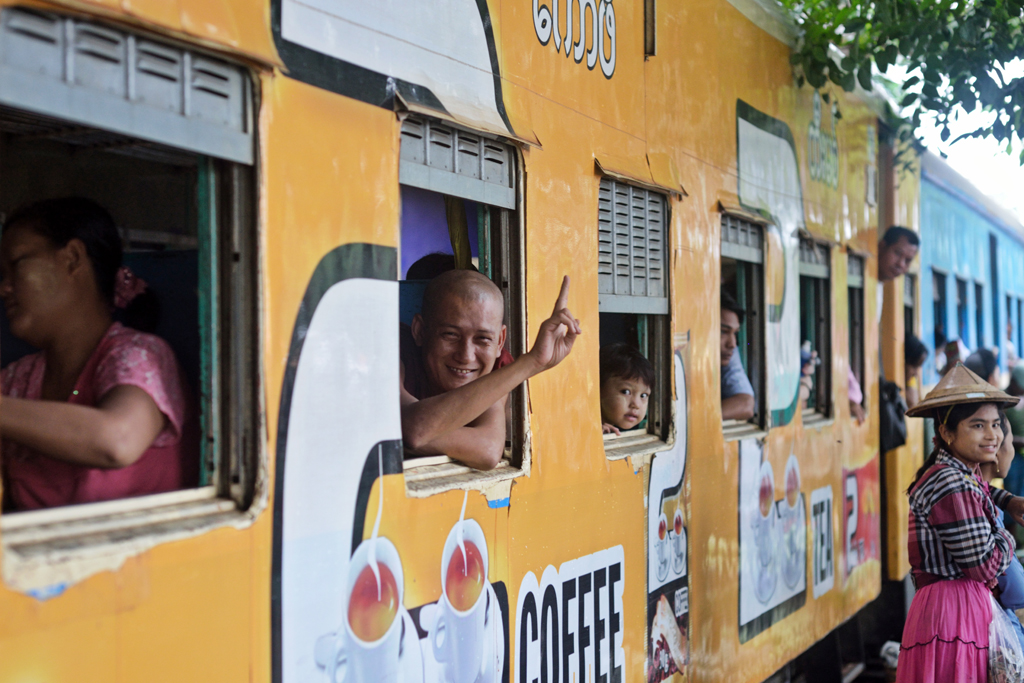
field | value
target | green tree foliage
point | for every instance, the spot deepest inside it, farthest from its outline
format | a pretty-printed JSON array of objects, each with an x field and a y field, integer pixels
[{"x": 955, "y": 53}]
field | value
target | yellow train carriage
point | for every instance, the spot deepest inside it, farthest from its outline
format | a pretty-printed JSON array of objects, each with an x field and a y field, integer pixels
[{"x": 655, "y": 154}]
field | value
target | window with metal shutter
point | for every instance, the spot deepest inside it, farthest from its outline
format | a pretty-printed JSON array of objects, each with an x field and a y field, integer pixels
[
  {"x": 441, "y": 158},
  {"x": 631, "y": 249},
  {"x": 114, "y": 80},
  {"x": 855, "y": 271},
  {"x": 814, "y": 259},
  {"x": 742, "y": 240}
]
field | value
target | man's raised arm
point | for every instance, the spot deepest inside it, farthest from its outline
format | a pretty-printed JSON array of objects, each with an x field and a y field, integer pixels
[{"x": 467, "y": 419}]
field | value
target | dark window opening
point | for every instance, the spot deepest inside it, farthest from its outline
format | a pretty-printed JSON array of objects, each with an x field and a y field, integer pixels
[
  {"x": 855, "y": 292},
  {"x": 939, "y": 306},
  {"x": 186, "y": 225},
  {"x": 815, "y": 327},
  {"x": 979, "y": 314},
  {"x": 962, "y": 315},
  {"x": 742, "y": 278}
]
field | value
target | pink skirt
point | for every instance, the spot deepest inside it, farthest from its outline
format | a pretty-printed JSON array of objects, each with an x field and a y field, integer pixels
[{"x": 945, "y": 639}]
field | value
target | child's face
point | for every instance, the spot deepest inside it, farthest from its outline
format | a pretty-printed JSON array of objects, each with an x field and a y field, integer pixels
[{"x": 624, "y": 402}]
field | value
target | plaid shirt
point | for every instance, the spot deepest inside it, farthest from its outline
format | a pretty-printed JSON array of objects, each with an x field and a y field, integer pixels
[{"x": 954, "y": 532}]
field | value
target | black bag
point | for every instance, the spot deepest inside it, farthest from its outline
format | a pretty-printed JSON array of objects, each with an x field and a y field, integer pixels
[{"x": 891, "y": 409}]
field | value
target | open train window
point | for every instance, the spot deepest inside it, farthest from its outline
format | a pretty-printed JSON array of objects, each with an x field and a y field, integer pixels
[
  {"x": 633, "y": 301},
  {"x": 815, "y": 329},
  {"x": 979, "y": 315},
  {"x": 910, "y": 304},
  {"x": 169, "y": 155},
  {"x": 942, "y": 332},
  {"x": 962, "y": 316},
  {"x": 1020, "y": 327},
  {"x": 458, "y": 194},
  {"x": 743, "y": 283},
  {"x": 855, "y": 305}
]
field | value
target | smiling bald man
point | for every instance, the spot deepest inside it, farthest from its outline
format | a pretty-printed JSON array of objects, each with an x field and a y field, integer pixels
[{"x": 454, "y": 380}]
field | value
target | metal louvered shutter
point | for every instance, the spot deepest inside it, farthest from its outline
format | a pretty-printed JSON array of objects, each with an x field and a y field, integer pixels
[
  {"x": 854, "y": 271},
  {"x": 455, "y": 162},
  {"x": 113, "y": 80},
  {"x": 814, "y": 259},
  {"x": 631, "y": 249},
  {"x": 742, "y": 240}
]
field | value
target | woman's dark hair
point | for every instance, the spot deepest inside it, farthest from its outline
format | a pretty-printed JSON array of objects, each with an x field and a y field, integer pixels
[
  {"x": 982, "y": 363},
  {"x": 897, "y": 232},
  {"x": 69, "y": 218},
  {"x": 914, "y": 351},
  {"x": 951, "y": 418},
  {"x": 625, "y": 361},
  {"x": 730, "y": 304}
]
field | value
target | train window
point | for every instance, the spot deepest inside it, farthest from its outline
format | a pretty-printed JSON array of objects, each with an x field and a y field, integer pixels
[
  {"x": 815, "y": 329},
  {"x": 1020, "y": 327},
  {"x": 633, "y": 300},
  {"x": 743, "y": 283},
  {"x": 909, "y": 304},
  {"x": 458, "y": 194},
  {"x": 183, "y": 203},
  {"x": 855, "y": 294},
  {"x": 979, "y": 315},
  {"x": 650, "y": 28},
  {"x": 1010, "y": 325},
  {"x": 962, "y": 316},
  {"x": 939, "y": 312}
]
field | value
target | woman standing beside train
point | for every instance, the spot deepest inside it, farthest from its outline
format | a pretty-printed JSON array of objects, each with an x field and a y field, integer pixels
[{"x": 957, "y": 546}]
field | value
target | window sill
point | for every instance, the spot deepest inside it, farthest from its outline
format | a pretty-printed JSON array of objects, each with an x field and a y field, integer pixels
[
  {"x": 47, "y": 550},
  {"x": 735, "y": 430},
  {"x": 812, "y": 419},
  {"x": 429, "y": 476},
  {"x": 620, "y": 446}
]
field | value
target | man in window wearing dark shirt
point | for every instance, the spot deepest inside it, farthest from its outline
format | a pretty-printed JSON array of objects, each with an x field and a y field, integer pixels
[{"x": 454, "y": 388}]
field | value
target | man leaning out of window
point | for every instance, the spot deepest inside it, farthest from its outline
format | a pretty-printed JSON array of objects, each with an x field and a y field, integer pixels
[{"x": 737, "y": 391}]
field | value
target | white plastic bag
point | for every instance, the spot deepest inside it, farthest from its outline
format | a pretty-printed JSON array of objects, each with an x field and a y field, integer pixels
[{"x": 1005, "y": 657}]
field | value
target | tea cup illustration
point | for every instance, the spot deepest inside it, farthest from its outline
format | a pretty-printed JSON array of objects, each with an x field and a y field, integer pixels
[
  {"x": 764, "y": 520},
  {"x": 367, "y": 649},
  {"x": 662, "y": 547},
  {"x": 459, "y": 627},
  {"x": 678, "y": 543},
  {"x": 792, "y": 482}
]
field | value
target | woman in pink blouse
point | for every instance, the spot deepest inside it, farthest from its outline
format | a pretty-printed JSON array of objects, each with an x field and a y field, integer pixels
[{"x": 101, "y": 411}]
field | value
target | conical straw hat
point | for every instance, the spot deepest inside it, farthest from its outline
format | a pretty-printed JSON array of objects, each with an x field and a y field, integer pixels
[{"x": 960, "y": 385}]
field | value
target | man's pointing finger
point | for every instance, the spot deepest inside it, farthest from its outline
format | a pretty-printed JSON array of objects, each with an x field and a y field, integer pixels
[{"x": 563, "y": 295}]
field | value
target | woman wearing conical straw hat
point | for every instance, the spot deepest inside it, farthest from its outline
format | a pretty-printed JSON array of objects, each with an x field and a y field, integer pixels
[{"x": 957, "y": 547}]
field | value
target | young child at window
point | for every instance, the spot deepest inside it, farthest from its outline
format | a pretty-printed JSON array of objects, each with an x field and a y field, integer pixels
[{"x": 626, "y": 381}]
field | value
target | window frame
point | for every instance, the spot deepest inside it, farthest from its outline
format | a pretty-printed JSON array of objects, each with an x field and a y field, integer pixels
[
  {"x": 67, "y": 543},
  {"x": 431, "y": 475},
  {"x": 857, "y": 332},
  {"x": 963, "y": 311},
  {"x": 653, "y": 323},
  {"x": 748, "y": 250},
  {"x": 818, "y": 276},
  {"x": 910, "y": 303},
  {"x": 979, "y": 313},
  {"x": 940, "y": 302}
]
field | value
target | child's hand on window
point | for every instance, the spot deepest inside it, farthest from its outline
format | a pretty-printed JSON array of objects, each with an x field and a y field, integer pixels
[{"x": 610, "y": 429}]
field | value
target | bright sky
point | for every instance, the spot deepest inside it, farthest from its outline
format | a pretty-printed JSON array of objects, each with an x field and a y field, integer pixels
[{"x": 983, "y": 162}]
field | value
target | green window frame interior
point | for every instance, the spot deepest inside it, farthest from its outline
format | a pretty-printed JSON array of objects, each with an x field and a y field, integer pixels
[
  {"x": 743, "y": 266},
  {"x": 855, "y": 305},
  {"x": 816, "y": 319}
]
